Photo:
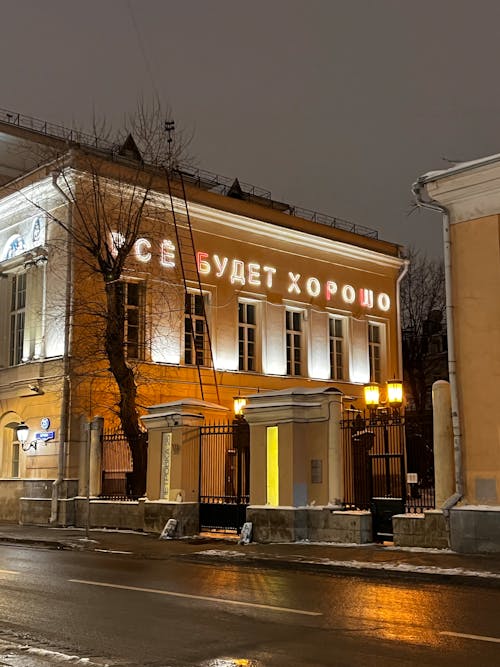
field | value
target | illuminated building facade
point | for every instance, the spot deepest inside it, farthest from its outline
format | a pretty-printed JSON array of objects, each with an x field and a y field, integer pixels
[{"x": 266, "y": 299}]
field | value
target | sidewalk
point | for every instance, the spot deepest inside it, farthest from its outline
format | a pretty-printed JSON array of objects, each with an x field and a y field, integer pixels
[{"x": 368, "y": 560}]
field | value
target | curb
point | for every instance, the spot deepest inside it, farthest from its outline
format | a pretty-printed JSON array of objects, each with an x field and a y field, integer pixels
[{"x": 388, "y": 571}]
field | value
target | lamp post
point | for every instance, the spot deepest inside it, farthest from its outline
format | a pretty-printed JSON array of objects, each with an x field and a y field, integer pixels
[{"x": 382, "y": 412}]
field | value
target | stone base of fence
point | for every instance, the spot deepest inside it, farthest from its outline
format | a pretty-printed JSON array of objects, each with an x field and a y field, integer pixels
[
  {"x": 315, "y": 524},
  {"x": 427, "y": 529},
  {"x": 149, "y": 516},
  {"x": 475, "y": 529}
]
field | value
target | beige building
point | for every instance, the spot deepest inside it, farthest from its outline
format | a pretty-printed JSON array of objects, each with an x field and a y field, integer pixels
[
  {"x": 468, "y": 196},
  {"x": 274, "y": 298}
]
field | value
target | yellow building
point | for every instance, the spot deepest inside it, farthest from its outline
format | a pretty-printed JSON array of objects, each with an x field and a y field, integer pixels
[
  {"x": 468, "y": 196},
  {"x": 276, "y": 298}
]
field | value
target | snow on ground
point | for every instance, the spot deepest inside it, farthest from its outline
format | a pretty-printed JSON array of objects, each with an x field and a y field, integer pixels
[{"x": 357, "y": 564}]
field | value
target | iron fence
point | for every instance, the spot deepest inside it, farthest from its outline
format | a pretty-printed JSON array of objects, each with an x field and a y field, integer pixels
[
  {"x": 116, "y": 466},
  {"x": 379, "y": 449}
]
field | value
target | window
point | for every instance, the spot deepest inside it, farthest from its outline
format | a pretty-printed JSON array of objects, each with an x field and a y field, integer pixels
[
  {"x": 17, "y": 318},
  {"x": 336, "y": 348},
  {"x": 134, "y": 303},
  {"x": 247, "y": 329},
  {"x": 293, "y": 342},
  {"x": 375, "y": 352},
  {"x": 195, "y": 330},
  {"x": 15, "y": 460}
]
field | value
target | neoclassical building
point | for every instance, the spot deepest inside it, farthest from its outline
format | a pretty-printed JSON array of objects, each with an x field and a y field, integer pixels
[{"x": 226, "y": 293}]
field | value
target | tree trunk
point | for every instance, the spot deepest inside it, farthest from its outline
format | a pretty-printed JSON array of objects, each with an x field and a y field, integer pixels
[{"x": 125, "y": 379}]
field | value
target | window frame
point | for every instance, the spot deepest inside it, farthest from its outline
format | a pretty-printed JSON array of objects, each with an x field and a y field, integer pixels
[
  {"x": 293, "y": 348},
  {"x": 243, "y": 341},
  {"x": 17, "y": 318},
  {"x": 193, "y": 317},
  {"x": 333, "y": 341},
  {"x": 377, "y": 374},
  {"x": 139, "y": 325}
]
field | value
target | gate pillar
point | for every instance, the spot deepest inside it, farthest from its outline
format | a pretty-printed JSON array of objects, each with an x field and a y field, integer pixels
[
  {"x": 95, "y": 457},
  {"x": 173, "y": 447},
  {"x": 444, "y": 465},
  {"x": 295, "y": 447}
]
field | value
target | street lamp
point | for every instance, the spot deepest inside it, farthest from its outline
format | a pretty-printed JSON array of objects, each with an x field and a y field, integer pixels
[
  {"x": 238, "y": 405},
  {"x": 22, "y": 432},
  {"x": 372, "y": 395},
  {"x": 395, "y": 393}
]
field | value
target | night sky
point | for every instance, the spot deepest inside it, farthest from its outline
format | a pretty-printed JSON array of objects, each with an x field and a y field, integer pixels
[{"x": 333, "y": 105}]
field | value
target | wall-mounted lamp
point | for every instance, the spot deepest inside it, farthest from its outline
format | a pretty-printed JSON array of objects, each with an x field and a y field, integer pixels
[
  {"x": 239, "y": 403},
  {"x": 22, "y": 432}
]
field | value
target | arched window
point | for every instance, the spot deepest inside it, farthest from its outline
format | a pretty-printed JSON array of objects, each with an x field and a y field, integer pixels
[{"x": 11, "y": 455}]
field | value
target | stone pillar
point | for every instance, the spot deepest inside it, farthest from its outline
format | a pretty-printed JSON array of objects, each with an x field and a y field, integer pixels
[
  {"x": 309, "y": 445},
  {"x": 173, "y": 448},
  {"x": 444, "y": 467},
  {"x": 335, "y": 453},
  {"x": 95, "y": 458}
]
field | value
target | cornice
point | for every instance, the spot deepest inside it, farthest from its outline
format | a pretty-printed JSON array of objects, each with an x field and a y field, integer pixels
[
  {"x": 468, "y": 194},
  {"x": 304, "y": 239}
]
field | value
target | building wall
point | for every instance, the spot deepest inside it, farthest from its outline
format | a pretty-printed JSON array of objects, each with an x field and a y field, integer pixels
[
  {"x": 476, "y": 281},
  {"x": 471, "y": 195}
]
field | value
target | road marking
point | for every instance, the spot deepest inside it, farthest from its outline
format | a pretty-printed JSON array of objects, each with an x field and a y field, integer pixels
[
  {"x": 481, "y": 638},
  {"x": 8, "y": 572},
  {"x": 198, "y": 597}
]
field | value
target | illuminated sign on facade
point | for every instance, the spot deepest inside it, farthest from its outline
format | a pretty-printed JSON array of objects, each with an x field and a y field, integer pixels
[{"x": 242, "y": 273}]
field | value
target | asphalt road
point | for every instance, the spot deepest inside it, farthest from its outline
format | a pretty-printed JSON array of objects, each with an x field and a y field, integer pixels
[{"x": 119, "y": 610}]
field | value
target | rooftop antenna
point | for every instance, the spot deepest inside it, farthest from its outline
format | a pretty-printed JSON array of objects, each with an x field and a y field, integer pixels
[{"x": 169, "y": 129}]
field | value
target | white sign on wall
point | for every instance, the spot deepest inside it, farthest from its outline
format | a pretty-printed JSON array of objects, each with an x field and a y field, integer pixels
[{"x": 166, "y": 461}]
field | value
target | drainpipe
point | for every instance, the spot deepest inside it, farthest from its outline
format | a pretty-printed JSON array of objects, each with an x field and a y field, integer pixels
[
  {"x": 402, "y": 274},
  {"x": 66, "y": 394},
  {"x": 431, "y": 204}
]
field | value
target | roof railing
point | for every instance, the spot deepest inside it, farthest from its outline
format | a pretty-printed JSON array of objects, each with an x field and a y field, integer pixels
[{"x": 197, "y": 177}]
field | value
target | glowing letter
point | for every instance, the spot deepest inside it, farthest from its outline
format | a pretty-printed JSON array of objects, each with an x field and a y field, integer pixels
[
  {"x": 331, "y": 289},
  {"x": 201, "y": 261},
  {"x": 140, "y": 245},
  {"x": 238, "y": 272},
  {"x": 384, "y": 301},
  {"x": 117, "y": 241},
  {"x": 167, "y": 254},
  {"x": 366, "y": 297},
  {"x": 313, "y": 286},
  {"x": 293, "y": 286},
  {"x": 220, "y": 266},
  {"x": 254, "y": 274},
  {"x": 269, "y": 271},
  {"x": 348, "y": 294}
]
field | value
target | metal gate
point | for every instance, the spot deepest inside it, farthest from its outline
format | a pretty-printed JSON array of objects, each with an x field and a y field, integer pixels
[
  {"x": 378, "y": 450},
  {"x": 224, "y": 487}
]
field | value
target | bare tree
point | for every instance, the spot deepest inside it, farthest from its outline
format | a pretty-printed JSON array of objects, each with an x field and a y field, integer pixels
[
  {"x": 423, "y": 325},
  {"x": 109, "y": 196}
]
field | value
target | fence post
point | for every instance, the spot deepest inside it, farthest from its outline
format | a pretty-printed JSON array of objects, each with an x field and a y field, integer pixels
[
  {"x": 336, "y": 490},
  {"x": 95, "y": 456},
  {"x": 444, "y": 469}
]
